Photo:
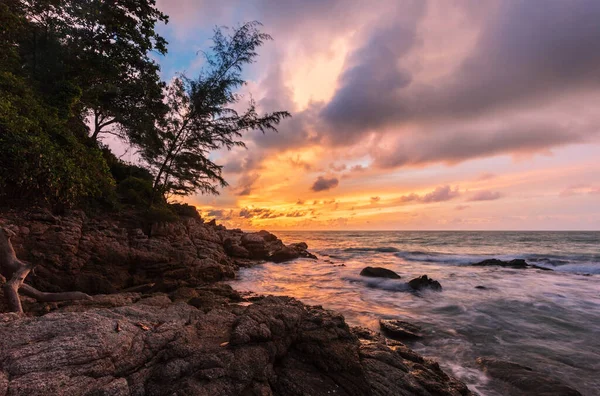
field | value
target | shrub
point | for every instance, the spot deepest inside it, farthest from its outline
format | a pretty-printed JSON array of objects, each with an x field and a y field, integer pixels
[{"x": 185, "y": 210}]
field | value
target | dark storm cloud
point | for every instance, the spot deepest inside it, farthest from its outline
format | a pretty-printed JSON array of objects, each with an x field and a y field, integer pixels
[
  {"x": 369, "y": 86},
  {"x": 486, "y": 195},
  {"x": 324, "y": 184},
  {"x": 525, "y": 55},
  {"x": 454, "y": 146},
  {"x": 528, "y": 51}
]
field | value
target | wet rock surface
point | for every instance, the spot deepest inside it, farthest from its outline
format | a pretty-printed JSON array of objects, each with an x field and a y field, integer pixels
[
  {"x": 159, "y": 344},
  {"x": 379, "y": 272},
  {"x": 423, "y": 283},
  {"x": 521, "y": 380},
  {"x": 400, "y": 330}
]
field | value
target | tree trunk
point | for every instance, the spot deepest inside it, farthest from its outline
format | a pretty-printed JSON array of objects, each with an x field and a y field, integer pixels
[
  {"x": 15, "y": 271},
  {"x": 11, "y": 288}
]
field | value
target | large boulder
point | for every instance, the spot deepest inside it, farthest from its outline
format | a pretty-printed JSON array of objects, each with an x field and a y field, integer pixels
[
  {"x": 424, "y": 282},
  {"x": 379, "y": 272},
  {"x": 138, "y": 345},
  {"x": 523, "y": 380}
]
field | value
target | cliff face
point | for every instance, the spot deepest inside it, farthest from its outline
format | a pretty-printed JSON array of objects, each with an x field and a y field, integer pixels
[
  {"x": 183, "y": 332},
  {"x": 95, "y": 255}
]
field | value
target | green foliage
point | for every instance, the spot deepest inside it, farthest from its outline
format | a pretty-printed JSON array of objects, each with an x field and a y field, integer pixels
[
  {"x": 160, "y": 214},
  {"x": 60, "y": 61},
  {"x": 201, "y": 118},
  {"x": 102, "y": 48},
  {"x": 135, "y": 191},
  {"x": 184, "y": 210},
  {"x": 41, "y": 160}
]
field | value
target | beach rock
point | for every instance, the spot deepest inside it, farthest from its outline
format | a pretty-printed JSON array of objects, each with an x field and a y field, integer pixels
[
  {"x": 516, "y": 263},
  {"x": 378, "y": 272},
  {"x": 521, "y": 380},
  {"x": 424, "y": 282},
  {"x": 400, "y": 330},
  {"x": 152, "y": 346}
]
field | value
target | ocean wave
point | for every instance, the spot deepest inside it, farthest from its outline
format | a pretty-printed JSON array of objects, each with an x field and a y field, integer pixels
[
  {"x": 445, "y": 258},
  {"x": 383, "y": 249},
  {"x": 568, "y": 263},
  {"x": 580, "y": 268},
  {"x": 380, "y": 283}
]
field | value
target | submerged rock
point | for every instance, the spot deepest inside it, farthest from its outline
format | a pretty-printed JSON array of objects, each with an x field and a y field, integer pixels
[
  {"x": 379, "y": 272},
  {"x": 516, "y": 263},
  {"x": 424, "y": 282},
  {"x": 400, "y": 330},
  {"x": 152, "y": 346},
  {"x": 524, "y": 380}
]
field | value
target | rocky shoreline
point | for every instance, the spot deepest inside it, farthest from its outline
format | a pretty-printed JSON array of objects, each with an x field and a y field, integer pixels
[{"x": 161, "y": 322}]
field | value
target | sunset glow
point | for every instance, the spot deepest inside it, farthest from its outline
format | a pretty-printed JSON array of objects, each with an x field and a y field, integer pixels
[{"x": 410, "y": 115}]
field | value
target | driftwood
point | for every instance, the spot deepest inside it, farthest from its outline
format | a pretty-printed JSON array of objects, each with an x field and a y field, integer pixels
[{"x": 15, "y": 271}]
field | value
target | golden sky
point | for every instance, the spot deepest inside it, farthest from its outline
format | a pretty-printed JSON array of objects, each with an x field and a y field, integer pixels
[{"x": 411, "y": 114}]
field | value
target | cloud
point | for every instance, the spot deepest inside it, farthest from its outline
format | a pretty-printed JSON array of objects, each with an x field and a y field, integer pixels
[
  {"x": 461, "y": 207},
  {"x": 486, "y": 195},
  {"x": 459, "y": 144},
  {"x": 440, "y": 194},
  {"x": 259, "y": 213},
  {"x": 579, "y": 189},
  {"x": 245, "y": 184},
  {"x": 220, "y": 214},
  {"x": 486, "y": 176},
  {"x": 324, "y": 184},
  {"x": 338, "y": 168}
]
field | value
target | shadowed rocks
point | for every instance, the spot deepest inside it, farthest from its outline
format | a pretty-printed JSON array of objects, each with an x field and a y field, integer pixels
[
  {"x": 425, "y": 283},
  {"x": 400, "y": 330},
  {"x": 378, "y": 272},
  {"x": 131, "y": 344},
  {"x": 99, "y": 255}
]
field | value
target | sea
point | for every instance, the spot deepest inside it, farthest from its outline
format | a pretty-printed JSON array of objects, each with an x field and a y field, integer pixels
[{"x": 546, "y": 320}]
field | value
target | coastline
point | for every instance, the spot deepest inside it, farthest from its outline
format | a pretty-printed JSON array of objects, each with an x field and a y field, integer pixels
[{"x": 161, "y": 321}]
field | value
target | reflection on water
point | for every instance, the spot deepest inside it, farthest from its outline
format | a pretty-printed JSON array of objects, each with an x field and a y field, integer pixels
[{"x": 547, "y": 320}]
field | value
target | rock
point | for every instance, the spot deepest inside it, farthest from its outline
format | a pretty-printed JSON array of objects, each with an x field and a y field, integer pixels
[
  {"x": 400, "y": 330},
  {"x": 524, "y": 380},
  {"x": 516, "y": 263},
  {"x": 481, "y": 287},
  {"x": 379, "y": 272},
  {"x": 100, "y": 255},
  {"x": 275, "y": 345},
  {"x": 425, "y": 282},
  {"x": 284, "y": 254}
]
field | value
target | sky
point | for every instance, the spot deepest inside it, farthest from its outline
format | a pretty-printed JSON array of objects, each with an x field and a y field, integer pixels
[{"x": 409, "y": 115}]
